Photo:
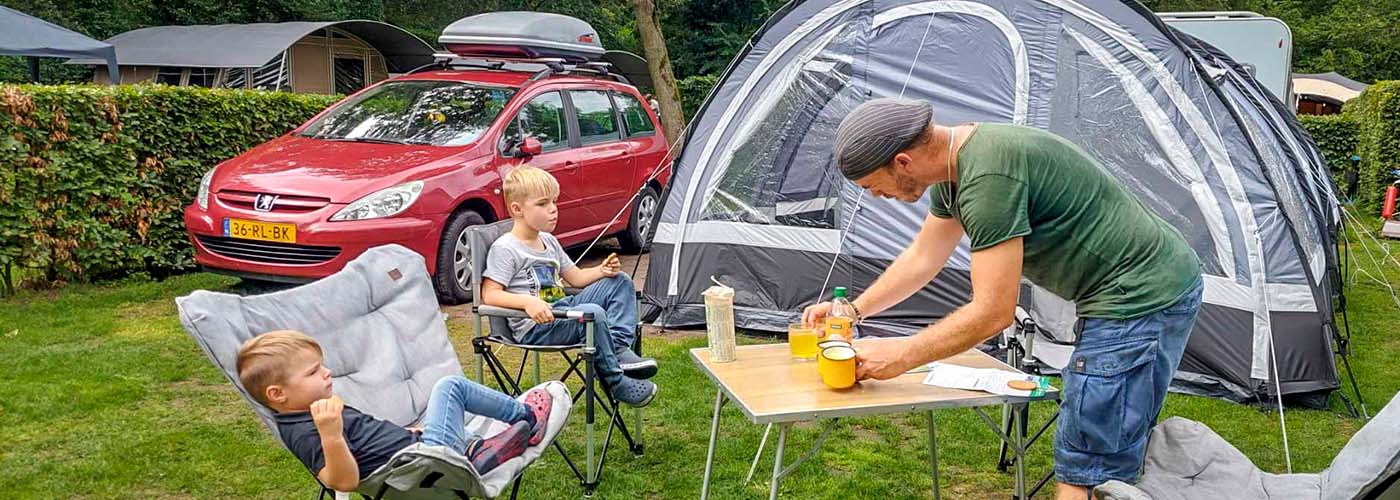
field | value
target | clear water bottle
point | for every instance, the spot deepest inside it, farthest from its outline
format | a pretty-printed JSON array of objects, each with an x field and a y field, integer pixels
[{"x": 841, "y": 321}]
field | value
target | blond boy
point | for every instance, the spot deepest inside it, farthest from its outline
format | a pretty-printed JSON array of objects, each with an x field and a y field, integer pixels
[{"x": 527, "y": 268}]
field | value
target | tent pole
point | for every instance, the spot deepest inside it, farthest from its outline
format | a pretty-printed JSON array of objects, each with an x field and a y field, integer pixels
[{"x": 33, "y": 69}]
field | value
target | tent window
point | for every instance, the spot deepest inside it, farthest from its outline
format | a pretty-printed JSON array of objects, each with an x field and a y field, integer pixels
[
  {"x": 597, "y": 122},
  {"x": 202, "y": 77},
  {"x": 236, "y": 78},
  {"x": 272, "y": 76},
  {"x": 543, "y": 119},
  {"x": 169, "y": 76},
  {"x": 634, "y": 116},
  {"x": 349, "y": 74}
]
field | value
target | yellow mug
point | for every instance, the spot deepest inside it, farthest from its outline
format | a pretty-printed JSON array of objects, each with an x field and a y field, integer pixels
[{"x": 837, "y": 366}]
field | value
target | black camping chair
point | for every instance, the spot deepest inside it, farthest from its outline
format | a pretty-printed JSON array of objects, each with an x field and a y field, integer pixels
[{"x": 493, "y": 332}]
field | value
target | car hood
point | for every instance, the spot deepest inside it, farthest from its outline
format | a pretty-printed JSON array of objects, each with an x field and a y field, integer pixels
[{"x": 340, "y": 171}]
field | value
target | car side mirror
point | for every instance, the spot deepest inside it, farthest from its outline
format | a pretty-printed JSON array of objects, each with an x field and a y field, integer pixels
[{"x": 531, "y": 147}]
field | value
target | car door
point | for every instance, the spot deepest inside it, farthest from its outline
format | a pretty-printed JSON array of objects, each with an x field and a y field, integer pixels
[
  {"x": 605, "y": 161},
  {"x": 545, "y": 117}
]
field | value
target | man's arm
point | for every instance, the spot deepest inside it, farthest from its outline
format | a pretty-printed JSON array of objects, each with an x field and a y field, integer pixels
[
  {"x": 996, "y": 285},
  {"x": 340, "y": 473},
  {"x": 915, "y": 266}
]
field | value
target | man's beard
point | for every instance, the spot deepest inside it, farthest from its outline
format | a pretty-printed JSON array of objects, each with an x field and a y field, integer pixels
[{"x": 908, "y": 187}]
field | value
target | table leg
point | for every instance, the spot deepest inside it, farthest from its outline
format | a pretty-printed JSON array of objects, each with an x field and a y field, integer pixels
[
  {"x": 754, "y": 466},
  {"x": 778, "y": 461},
  {"x": 933, "y": 452},
  {"x": 1019, "y": 416},
  {"x": 710, "y": 455}
]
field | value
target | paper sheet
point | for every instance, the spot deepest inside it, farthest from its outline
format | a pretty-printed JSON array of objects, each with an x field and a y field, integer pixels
[{"x": 982, "y": 379}]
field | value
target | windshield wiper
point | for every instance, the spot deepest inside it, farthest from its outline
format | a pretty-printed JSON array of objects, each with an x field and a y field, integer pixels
[{"x": 372, "y": 140}]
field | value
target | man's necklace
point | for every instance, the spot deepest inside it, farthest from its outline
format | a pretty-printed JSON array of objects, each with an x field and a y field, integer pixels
[{"x": 949, "y": 191}]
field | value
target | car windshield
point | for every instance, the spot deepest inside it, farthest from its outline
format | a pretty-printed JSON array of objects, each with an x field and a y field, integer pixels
[{"x": 434, "y": 112}]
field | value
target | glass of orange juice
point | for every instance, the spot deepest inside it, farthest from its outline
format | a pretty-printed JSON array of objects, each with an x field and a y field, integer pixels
[{"x": 802, "y": 339}]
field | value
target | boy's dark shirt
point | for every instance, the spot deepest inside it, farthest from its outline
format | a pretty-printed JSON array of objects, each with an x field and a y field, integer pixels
[{"x": 371, "y": 441}]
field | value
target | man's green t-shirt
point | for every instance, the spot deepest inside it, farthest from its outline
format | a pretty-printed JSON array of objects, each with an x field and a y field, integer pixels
[{"x": 1085, "y": 237}]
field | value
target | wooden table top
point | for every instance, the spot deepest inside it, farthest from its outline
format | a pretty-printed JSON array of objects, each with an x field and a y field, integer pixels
[{"x": 769, "y": 386}]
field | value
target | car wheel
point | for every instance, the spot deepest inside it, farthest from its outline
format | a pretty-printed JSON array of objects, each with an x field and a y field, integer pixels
[
  {"x": 454, "y": 273},
  {"x": 637, "y": 237}
]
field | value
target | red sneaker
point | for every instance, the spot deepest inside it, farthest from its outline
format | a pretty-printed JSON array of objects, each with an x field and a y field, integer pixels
[
  {"x": 539, "y": 402},
  {"x": 496, "y": 450}
]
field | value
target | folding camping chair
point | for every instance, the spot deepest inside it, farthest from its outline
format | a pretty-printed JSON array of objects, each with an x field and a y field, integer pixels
[
  {"x": 1187, "y": 460},
  {"x": 493, "y": 330},
  {"x": 385, "y": 340}
]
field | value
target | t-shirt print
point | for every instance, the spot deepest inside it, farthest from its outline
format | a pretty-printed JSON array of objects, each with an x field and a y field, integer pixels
[{"x": 547, "y": 282}]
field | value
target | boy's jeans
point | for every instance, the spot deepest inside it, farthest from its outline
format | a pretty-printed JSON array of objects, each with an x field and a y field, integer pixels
[
  {"x": 613, "y": 303},
  {"x": 454, "y": 401}
]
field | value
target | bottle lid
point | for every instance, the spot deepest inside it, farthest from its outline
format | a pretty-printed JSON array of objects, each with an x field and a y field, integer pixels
[{"x": 839, "y": 292}]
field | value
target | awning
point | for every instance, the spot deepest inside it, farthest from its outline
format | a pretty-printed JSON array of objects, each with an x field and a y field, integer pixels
[
  {"x": 252, "y": 45},
  {"x": 25, "y": 35}
]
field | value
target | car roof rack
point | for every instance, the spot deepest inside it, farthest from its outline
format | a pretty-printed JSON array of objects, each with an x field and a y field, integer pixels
[{"x": 543, "y": 67}]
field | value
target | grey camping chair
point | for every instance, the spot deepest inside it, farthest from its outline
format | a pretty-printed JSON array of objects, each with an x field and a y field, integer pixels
[
  {"x": 385, "y": 340},
  {"x": 1186, "y": 460},
  {"x": 493, "y": 331}
]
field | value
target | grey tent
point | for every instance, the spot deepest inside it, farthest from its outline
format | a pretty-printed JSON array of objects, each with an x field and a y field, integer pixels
[
  {"x": 25, "y": 35},
  {"x": 757, "y": 204}
]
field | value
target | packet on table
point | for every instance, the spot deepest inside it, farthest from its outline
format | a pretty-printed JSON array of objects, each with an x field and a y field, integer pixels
[{"x": 985, "y": 379}]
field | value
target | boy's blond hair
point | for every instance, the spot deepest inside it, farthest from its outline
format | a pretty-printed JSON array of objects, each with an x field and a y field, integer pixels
[
  {"x": 526, "y": 182},
  {"x": 263, "y": 360}
]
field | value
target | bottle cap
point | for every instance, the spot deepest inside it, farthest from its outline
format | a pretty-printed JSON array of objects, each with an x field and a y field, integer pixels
[{"x": 839, "y": 292}]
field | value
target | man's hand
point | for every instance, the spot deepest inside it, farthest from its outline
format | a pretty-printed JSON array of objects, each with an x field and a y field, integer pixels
[
  {"x": 882, "y": 360},
  {"x": 326, "y": 414},
  {"x": 540, "y": 311},
  {"x": 611, "y": 266},
  {"x": 815, "y": 313}
]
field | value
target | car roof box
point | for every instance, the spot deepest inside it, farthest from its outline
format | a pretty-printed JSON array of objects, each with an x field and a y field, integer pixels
[{"x": 523, "y": 36}]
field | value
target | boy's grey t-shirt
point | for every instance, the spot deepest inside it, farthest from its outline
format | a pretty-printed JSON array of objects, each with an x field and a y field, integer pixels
[{"x": 526, "y": 271}]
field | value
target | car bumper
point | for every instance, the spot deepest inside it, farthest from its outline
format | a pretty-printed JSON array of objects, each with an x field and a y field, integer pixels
[{"x": 321, "y": 247}]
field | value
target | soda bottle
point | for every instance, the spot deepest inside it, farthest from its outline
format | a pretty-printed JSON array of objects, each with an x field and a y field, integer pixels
[{"x": 841, "y": 321}]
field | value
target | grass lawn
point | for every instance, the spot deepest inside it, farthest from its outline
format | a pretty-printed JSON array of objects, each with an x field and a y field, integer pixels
[{"x": 103, "y": 394}]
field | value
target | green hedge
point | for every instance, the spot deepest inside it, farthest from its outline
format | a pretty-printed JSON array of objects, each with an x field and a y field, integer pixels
[
  {"x": 94, "y": 179},
  {"x": 1336, "y": 137},
  {"x": 1377, "y": 115}
]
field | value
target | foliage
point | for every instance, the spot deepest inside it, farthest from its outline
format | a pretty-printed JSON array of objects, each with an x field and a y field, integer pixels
[
  {"x": 93, "y": 179},
  {"x": 1357, "y": 38},
  {"x": 694, "y": 90},
  {"x": 1335, "y": 136},
  {"x": 1377, "y": 114}
]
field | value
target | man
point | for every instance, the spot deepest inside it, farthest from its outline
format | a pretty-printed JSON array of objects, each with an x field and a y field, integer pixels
[{"x": 1031, "y": 202}]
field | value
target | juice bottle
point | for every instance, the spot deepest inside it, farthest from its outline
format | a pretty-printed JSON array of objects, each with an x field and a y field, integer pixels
[{"x": 841, "y": 321}]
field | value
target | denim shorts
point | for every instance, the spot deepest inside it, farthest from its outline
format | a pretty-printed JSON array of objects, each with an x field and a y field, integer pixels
[{"x": 1114, "y": 386}]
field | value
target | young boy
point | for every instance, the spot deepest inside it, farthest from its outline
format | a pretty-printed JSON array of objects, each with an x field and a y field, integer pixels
[
  {"x": 523, "y": 271},
  {"x": 283, "y": 370}
]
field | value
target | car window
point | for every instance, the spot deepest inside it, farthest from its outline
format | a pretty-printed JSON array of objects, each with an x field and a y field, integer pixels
[
  {"x": 440, "y": 113},
  {"x": 597, "y": 122},
  {"x": 634, "y": 116},
  {"x": 543, "y": 119}
]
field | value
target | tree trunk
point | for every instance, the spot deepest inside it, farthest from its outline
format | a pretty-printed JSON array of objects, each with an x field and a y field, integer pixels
[{"x": 659, "y": 64}]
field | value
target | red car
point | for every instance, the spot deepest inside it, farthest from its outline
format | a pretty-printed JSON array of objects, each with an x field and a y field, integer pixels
[{"x": 417, "y": 159}]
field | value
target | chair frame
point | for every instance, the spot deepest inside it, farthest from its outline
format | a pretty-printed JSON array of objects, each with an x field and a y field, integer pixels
[{"x": 485, "y": 343}]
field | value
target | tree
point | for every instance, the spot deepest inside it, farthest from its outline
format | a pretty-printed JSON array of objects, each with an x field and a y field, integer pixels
[{"x": 659, "y": 64}]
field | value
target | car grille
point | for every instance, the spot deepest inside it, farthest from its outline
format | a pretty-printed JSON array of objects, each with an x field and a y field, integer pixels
[
  {"x": 266, "y": 251},
  {"x": 284, "y": 203}
]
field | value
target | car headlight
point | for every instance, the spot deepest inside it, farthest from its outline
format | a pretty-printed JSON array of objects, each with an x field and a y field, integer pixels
[
  {"x": 382, "y": 203},
  {"x": 203, "y": 197}
]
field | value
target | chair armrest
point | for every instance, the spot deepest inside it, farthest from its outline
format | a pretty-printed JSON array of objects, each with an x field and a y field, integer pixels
[{"x": 506, "y": 312}]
